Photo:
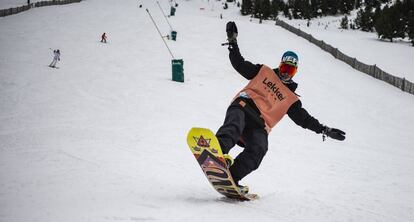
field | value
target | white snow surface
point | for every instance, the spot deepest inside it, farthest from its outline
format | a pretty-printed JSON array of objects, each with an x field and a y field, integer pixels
[{"x": 103, "y": 138}]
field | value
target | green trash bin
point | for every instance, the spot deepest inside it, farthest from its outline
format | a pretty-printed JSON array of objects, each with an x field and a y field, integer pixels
[
  {"x": 172, "y": 12},
  {"x": 177, "y": 70},
  {"x": 173, "y": 35}
]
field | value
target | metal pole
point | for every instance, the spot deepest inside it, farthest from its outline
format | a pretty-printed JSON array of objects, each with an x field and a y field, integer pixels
[
  {"x": 164, "y": 15},
  {"x": 160, "y": 34}
]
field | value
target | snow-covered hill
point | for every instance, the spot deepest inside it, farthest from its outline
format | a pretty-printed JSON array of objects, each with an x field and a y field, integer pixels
[{"x": 103, "y": 137}]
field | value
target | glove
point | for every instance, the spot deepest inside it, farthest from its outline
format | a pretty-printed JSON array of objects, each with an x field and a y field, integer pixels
[
  {"x": 333, "y": 133},
  {"x": 232, "y": 33}
]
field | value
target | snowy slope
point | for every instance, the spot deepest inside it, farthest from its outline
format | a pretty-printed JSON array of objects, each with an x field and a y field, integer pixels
[
  {"x": 103, "y": 137},
  {"x": 392, "y": 57}
]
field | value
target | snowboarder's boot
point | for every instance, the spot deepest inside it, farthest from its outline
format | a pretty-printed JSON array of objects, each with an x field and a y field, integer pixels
[
  {"x": 229, "y": 160},
  {"x": 243, "y": 189}
]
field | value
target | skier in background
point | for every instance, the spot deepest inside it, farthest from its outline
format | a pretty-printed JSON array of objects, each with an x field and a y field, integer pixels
[
  {"x": 269, "y": 95},
  {"x": 103, "y": 38},
  {"x": 56, "y": 57}
]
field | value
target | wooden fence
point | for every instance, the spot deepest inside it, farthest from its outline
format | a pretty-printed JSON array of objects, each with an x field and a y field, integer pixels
[
  {"x": 371, "y": 70},
  {"x": 12, "y": 11}
]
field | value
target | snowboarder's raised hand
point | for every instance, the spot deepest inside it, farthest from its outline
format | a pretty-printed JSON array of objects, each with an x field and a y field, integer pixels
[
  {"x": 232, "y": 32},
  {"x": 333, "y": 133}
]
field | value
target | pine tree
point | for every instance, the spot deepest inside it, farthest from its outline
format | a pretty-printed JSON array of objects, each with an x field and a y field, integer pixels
[
  {"x": 301, "y": 9},
  {"x": 346, "y": 6},
  {"x": 352, "y": 26},
  {"x": 359, "y": 19},
  {"x": 275, "y": 8},
  {"x": 407, "y": 14},
  {"x": 315, "y": 7},
  {"x": 324, "y": 7},
  {"x": 383, "y": 25},
  {"x": 364, "y": 19},
  {"x": 296, "y": 8},
  {"x": 409, "y": 6},
  {"x": 397, "y": 20},
  {"x": 265, "y": 9},
  {"x": 372, "y": 3},
  {"x": 246, "y": 7},
  {"x": 333, "y": 6},
  {"x": 376, "y": 15},
  {"x": 410, "y": 27},
  {"x": 306, "y": 9},
  {"x": 370, "y": 19},
  {"x": 358, "y": 3},
  {"x": 286, "y": 12},
  {"x": 256, "y": 8},
  {"x": 344, "y": 22}
]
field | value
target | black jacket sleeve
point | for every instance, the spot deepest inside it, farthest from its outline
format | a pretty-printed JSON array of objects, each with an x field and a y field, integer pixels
[
  {"x": 302, "y": 118},
  {"x": 247, "y": 69}
]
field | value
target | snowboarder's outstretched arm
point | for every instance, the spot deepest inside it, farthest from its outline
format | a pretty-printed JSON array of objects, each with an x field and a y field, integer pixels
[
  {"x": 247, "y": 69},
  {"x": 302, "y": 118}
]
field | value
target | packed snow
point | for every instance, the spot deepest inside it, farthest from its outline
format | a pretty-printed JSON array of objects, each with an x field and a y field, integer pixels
[{"x": 103, "y": 138}]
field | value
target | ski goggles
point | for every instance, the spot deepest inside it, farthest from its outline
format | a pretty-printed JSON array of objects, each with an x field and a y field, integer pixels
[{"x": 287, "y": 70}]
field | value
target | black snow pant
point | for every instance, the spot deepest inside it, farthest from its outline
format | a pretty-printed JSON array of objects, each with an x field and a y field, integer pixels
[{"x": 239, "y": 124}]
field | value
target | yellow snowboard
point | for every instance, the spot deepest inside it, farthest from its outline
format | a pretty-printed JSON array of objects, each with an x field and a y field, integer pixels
[{"x": 207, "y": 151}]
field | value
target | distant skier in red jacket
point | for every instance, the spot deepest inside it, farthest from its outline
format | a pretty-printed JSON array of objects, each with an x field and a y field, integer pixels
[{"x": 103, "y": 37}]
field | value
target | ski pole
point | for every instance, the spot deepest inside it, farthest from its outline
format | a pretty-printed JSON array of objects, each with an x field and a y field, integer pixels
[
  {"x": 160, "y": 33},
  {"x": 164, "y": 15},
  {"x": 171, "y": 3}
]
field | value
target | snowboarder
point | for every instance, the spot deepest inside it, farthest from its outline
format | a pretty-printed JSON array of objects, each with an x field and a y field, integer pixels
[
  {"x": 103, "y": 38},
  {"x": 56, "y": 57},
  {"x": 258, "y": 107}
]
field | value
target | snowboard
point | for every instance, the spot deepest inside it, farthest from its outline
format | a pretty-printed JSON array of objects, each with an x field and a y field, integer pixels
[{"x": 206, "y": 149}]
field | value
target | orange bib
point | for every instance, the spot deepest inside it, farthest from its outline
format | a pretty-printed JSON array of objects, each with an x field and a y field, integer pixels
[{"x": 270, "y": 95}]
